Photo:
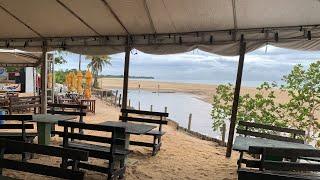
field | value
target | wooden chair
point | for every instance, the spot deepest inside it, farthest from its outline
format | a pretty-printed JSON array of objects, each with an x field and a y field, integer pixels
[
  {"x": 281, "y": 170},
  {"x": 252, "y": 133},
  {"x": 75, "y": 155},
  {"x": 113, "y": 149},
  {"x": 157, "y": 134},
  {"x": 18, "y": 136}
]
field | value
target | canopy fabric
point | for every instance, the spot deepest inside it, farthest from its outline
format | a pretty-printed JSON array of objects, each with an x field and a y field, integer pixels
[
  {"x": 19, "y": 58},
  {"x": 158, "y": 26}
]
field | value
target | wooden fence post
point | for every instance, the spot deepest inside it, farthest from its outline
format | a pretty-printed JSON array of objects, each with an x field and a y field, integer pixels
[
  {"x": 139, "y": 108},
  {"x": 115, "y": 99},
  {"x": 119, "y": 99},
  {"x": 129, "y": 105},
  {"x": 165, "y": 109},
  {"x": 151, "y": 107},
  {"x": 189, "y": 123}
]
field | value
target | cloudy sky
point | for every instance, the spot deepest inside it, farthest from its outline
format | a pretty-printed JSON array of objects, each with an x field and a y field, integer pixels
[{"x": 264, "y": 64}]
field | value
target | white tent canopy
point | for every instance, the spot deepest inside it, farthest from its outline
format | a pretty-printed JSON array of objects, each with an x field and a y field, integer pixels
[
  {"x": 19, "y": 58},
  {"x": 159, "y": 26}
]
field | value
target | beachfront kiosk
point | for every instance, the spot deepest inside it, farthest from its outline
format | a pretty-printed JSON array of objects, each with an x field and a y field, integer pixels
[{"x": 229, "y": 28}]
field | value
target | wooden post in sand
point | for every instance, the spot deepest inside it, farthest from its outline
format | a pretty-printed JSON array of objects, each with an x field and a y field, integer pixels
[
  {"x": 139, "y": 108},
  {"x": 223, "y": 134},
  {"x": 165, "y": 109},
  {"x": 119, "y": 99},
  {"x": 189, "y": 123},
  {"x": 151, "y": 107},
  {"x": 129, "y": 105},
  {"x": 115, "y": 99}
]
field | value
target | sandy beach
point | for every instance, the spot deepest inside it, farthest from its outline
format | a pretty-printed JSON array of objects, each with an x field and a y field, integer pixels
[
  {"x": 181, "y": 156},
  {"x": 202, "y": 91}
]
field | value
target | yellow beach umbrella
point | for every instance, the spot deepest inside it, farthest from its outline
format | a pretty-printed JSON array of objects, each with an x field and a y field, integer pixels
[
  {"x": 79, "y": 82},
  {"x": 88, "y": 77},
  {"x": 68, "y": 81},
  {"x": 73, "y": 82}
]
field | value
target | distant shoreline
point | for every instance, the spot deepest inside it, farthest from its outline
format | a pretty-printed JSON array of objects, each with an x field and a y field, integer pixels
[
  {"x": 202, "y": 91},
  {"x": 130, "y": 77}
]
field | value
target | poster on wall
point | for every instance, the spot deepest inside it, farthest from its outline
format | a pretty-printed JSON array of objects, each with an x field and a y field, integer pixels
[
  {"x": 10, "y": 87},
  {"x": 3, "y": 74}
]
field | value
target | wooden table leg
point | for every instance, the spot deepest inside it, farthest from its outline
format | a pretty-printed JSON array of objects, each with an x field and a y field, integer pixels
[
  {"x": 44, "y": 133},
  {"x": 125, "y": 136}
]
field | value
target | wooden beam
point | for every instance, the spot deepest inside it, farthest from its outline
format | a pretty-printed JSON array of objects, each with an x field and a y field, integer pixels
[
  {"x": 235, "y": 104},
  {"x": 125, "y": 80},
  {"x": 44, "y": 69}
]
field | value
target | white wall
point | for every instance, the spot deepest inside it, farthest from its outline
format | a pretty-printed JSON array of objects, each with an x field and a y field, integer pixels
[{"x": 29, "y": 79}]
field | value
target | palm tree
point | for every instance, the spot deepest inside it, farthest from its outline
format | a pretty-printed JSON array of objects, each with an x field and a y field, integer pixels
[{"x": 97, "y": 64}]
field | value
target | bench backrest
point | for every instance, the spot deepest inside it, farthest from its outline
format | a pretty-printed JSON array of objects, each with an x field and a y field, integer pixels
[
  {"x": 23, "y": 126},
  {"x": 160, "y": 115},
  {"x": 67, "y": 109},
  {"x": 287, "y": 153},
  {"x": 270, "y": 132},
  {"x": 112, "y": 140},
  {"x": 18, "y": 103},
  {"x": 75, "y": 155}
]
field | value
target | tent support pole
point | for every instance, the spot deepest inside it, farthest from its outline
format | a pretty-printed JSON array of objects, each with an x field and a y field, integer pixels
[
  {"x": 235, "y": 104},
  {"x": 125, "y": 78},
  {"x": 44, "y": 69}
]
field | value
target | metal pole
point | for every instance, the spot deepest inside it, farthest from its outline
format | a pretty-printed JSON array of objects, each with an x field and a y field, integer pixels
[
  {"x": 126, "y": 79},
  {"x": 44, "y": 71},
  {"x": 236, "y": 97}
]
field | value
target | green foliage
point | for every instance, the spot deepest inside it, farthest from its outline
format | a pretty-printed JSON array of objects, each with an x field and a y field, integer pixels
[
  {"x": 59, "y": 57},
  {"x": 303, "y": 89},
  {"x": 60, "y": 76},
  {"x": 97, "y": 64}
]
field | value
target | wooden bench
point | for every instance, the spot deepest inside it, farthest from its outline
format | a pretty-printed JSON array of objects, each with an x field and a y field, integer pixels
[
  {"x": 283, "y": 170},
  {"x": 68, "y": 109},
  {"x": 253, "y": 134},
  {"x": 22, "y": 104},
  {"x": 75, "y": 155},
  {"x": 18, "y": 136},
  {"x": 157, "y": 134},
  {"x": 113, "y": 149}
]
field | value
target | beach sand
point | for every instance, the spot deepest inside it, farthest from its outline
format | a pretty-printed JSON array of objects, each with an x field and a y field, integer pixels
[
  {"x": 181, "y": 156},
  {"x": 202, "y": 91}
]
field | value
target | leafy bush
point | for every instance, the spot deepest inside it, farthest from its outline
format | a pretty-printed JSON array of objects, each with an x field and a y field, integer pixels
[{"x": 303, "y": 89}]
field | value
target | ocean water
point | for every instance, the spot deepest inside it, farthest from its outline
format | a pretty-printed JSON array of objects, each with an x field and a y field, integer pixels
[{"x": 179, "y": 106}]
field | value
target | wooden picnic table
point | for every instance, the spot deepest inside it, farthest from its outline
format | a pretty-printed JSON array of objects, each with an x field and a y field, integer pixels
[
  {"x": 243, "y": 144},
  {"x": 131, "y": 128},
  {"x": 44, "y": 124}
]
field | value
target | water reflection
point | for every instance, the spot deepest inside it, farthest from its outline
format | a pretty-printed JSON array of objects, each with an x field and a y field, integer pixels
[{"x": 180, "y": 105}]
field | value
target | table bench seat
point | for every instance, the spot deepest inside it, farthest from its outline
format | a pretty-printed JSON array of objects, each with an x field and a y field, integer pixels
[
  {"x": 246, "y": 174},
  {"x": 96, "y": 151},
  {"x": 156, "y": 118}
]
